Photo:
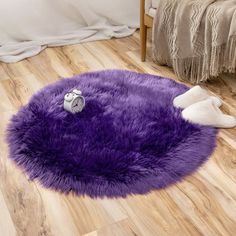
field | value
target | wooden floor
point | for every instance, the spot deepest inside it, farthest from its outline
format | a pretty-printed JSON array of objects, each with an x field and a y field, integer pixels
[{"x": 202, "y": 204}]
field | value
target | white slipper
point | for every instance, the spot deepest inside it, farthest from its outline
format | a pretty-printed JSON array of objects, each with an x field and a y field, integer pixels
[
  {"x": 193, "y": 95},
  {"x": 207, "y": 113}
]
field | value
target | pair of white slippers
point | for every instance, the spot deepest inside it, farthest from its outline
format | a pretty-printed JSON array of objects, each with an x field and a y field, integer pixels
[{"x": 201, "y": 108}]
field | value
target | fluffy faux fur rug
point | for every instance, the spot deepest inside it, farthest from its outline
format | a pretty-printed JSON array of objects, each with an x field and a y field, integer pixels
[{"x": 128, "y": 139}]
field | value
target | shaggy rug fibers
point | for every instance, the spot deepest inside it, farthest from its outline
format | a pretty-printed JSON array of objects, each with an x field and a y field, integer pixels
[{"x": 128, "y": 139}]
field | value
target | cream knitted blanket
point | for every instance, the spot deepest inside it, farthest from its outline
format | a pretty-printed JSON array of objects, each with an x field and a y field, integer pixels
[{"x": 196, "y": 37}]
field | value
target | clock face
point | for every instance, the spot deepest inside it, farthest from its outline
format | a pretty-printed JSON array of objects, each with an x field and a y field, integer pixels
[{"x": 77, "y": 104}]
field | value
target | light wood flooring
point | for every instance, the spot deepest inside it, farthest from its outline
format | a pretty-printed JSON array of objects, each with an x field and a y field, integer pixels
[{"x": 202, "y": 204}]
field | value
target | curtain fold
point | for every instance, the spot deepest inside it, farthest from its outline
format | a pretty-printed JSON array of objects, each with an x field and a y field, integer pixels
[{"x": 27, "y": 27}]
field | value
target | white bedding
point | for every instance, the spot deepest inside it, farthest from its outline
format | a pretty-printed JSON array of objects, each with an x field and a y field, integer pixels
[
  {"x": 27, "y": 27},
  {"x": 150, "y": 7}
]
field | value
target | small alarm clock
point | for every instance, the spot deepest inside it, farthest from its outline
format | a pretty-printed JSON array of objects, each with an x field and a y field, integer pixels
[{"x": 74, "y": 102}]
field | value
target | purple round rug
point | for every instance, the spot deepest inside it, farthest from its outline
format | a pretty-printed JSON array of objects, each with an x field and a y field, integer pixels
[{"x": 128, "y": 139}]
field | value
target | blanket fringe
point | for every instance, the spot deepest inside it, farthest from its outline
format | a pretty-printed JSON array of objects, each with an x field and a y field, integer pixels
[{"x": 222, "y": 59}]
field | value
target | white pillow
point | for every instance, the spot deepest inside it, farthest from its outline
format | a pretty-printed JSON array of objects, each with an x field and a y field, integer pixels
[{"x": 155, "y": 3}]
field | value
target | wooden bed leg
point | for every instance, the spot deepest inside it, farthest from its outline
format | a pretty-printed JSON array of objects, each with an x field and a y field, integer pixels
[
  {"x": 143, "y": 31},
  {"x": 143, "y": 42}
]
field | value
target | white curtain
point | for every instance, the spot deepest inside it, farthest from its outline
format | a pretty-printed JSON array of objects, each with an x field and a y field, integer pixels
[{"x": 29, "y": 26}]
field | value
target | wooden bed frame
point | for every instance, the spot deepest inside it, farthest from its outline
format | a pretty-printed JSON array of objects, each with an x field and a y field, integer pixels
[{"x": 146, "y": 21}]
